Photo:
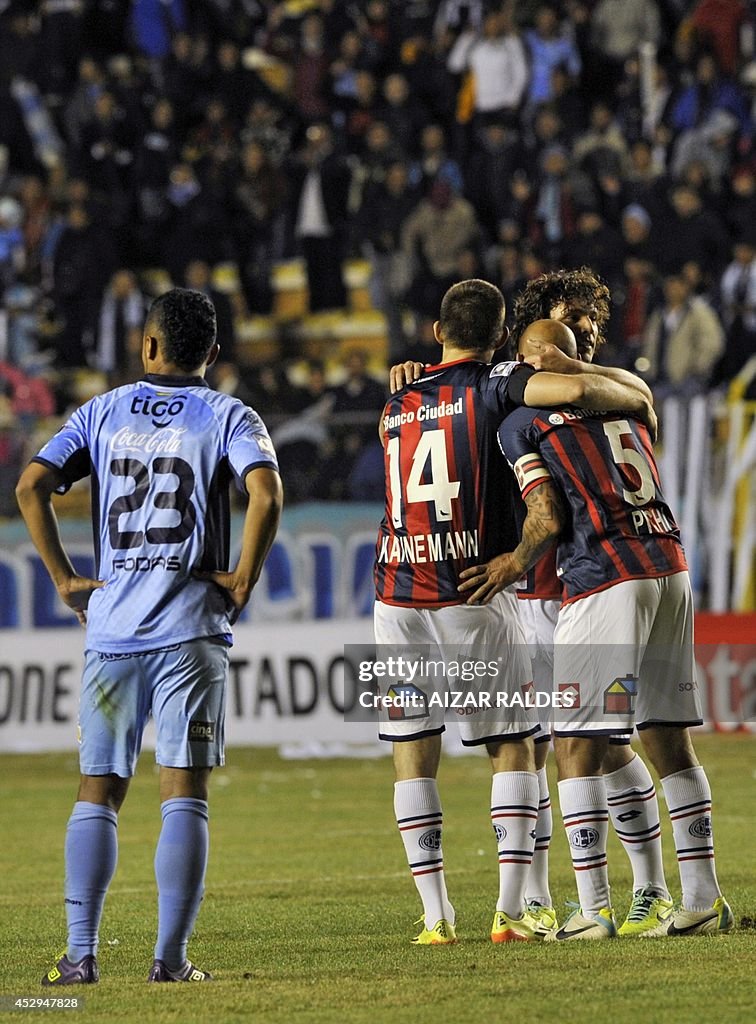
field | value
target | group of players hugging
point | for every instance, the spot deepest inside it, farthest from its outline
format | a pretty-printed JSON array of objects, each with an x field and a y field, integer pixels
[{"x": 573, "y": 580}]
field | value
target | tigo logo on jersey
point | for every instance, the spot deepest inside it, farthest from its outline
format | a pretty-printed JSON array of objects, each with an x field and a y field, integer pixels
[
  {"x": 583, "y": 838},
  {"x": 161, "y": 411},
  {"x": 430, "y": 840},
  {"x": 619, "y": 696},
  {"x": 701, "y": 828},
  {"x": 570, "y": 693}
]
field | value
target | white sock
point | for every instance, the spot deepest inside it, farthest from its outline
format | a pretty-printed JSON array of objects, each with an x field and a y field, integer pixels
[
  {"x": 417, "y": 807},
  {"x": 586, "y": 822},
  {"x": 634, "y": 811},
  {"x": 689, "y": 802},
  {"x": 514, "y": 813},
  {"x": 537, "y": 887}
]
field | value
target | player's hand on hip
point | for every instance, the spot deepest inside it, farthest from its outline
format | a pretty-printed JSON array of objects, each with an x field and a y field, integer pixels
[
  {"x": 402, "y": 374},
  {"x": 237, "y": 590},
  {"x": 484, "y": 582},
  {"x": 75, "y": 592}
]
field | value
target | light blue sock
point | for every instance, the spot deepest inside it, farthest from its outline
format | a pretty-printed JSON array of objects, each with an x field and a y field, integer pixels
[
  {"x": 91, "y": 855},
  {"x": 180, "y": 862}
]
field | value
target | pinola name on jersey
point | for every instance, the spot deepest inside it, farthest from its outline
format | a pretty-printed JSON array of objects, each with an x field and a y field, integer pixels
[
  {"x": 429, "y": 547},
  {"x": 424, "y": 412}
]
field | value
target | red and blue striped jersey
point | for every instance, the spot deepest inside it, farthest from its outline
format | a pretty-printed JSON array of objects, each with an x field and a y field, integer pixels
[
  {"x": 619, "y": 525},
  {"x": 450, "y": 497}
]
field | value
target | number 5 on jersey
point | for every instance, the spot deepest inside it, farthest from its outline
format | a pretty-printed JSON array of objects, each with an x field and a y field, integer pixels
[{"x": 439, "y": 489}]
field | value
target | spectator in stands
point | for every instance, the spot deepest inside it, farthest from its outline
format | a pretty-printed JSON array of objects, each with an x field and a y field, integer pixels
[
  {"x": 435, "y": 162},
  {"x": 257, "y": 224},
  {"x": 385, "y": 208},
  {"x": 118, "y": 341},
  {"x": 12, "y": 250},
  {"x": 497, "y": 61},
  {"x": 489, "y": 170},
  {"x": 597, "y": 243},
  {"x": 549, "y": 48},
  {"x": 712, "y": 145},
  {"x": 690, "y": 233},
  {"x": 708, "y": 92},
  {"x": 617, "y": 30},
  {"x": 682, "y": 341},
  {"x": 718, "y": 23},
  {"x": 83, "y": 263},
  {"x": 439, "y": 228},
  {"x": 738, "y": 303},
  {"x": 320, "y": 190},
  {"x": 636, "y": 233},
  {"x": 602, "y": 149},
  {"x": 401, "y": 113}
]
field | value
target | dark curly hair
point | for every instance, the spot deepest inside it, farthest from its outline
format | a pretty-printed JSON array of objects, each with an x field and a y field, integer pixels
[
  {"x": 472, "y": 315},
  {"x": 539, "y": 297},
  {"x": 184, "y": 321}
]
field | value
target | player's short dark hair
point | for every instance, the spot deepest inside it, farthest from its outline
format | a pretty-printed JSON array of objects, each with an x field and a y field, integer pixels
[
  {"x": 184, "y": 322},
  {"x": 539, "y": 297},
  {"x": 472, "y": 315}
]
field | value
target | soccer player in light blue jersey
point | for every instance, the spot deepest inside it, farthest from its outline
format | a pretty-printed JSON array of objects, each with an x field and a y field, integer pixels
[{"x": 161, "y": 453}]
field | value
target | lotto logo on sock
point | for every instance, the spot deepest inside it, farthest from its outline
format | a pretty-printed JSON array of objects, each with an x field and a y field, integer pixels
[
  {"x": 583, "y": 838},
  {"x": 701, "y": 828},
  {"x": 430, "y": 840},
  {"x": 201, "y": 732}
]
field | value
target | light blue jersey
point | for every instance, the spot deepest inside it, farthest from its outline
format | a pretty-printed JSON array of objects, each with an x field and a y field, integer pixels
[{"x": 161, "y": 453}]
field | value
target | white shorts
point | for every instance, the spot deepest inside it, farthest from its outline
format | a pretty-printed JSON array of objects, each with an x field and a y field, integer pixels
[
  {"x": 539, "y": 619},
  {"x": 626, "y": 654},
  {"x": 493, "y": 702}
]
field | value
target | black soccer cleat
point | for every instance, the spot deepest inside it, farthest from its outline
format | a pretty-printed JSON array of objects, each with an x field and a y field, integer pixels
[
  {"x": 85, "y": 972},
  {"x": 188, "y": 972}
]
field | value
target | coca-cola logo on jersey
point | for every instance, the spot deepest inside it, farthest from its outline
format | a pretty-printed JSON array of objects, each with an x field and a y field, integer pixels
[{"x": 167, "y": 440}]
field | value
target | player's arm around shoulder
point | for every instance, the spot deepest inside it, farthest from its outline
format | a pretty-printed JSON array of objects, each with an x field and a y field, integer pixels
[
  {"x": 34, "y": 493},
  {"x": 552, "y": 359},
  {"x": 540, "y": 530},
  {"x": 591, "y": 390},
  {"x": 264, "y": 504}
]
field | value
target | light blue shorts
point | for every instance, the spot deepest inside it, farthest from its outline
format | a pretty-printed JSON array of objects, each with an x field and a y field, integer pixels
[{"x": 182, "y": 686}]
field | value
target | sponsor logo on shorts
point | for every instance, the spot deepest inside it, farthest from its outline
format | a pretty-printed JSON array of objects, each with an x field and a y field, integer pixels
[
  {"x": 501, "y": 833},
  {"x": 412, "y": 702},
  {"x": 528, "y": 692},
  {"x": 569, "y": 690},
  {"x": 431, "y": 840},
  {"x": 619, "y": 696},
  {"x": 583, "y": 838},
  {"x": 201, "y": 732},
  {"x": 701, "y": 828}
]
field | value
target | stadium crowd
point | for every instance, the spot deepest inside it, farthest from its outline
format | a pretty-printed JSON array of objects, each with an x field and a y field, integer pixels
[{"x": 151, "y": 141}]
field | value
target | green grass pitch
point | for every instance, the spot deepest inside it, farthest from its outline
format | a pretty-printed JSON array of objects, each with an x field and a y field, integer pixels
[{"x": 309, "y": 906}]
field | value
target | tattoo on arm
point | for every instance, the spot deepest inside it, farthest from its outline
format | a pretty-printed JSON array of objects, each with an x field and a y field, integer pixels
[{"x": 542, "y": 524}]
